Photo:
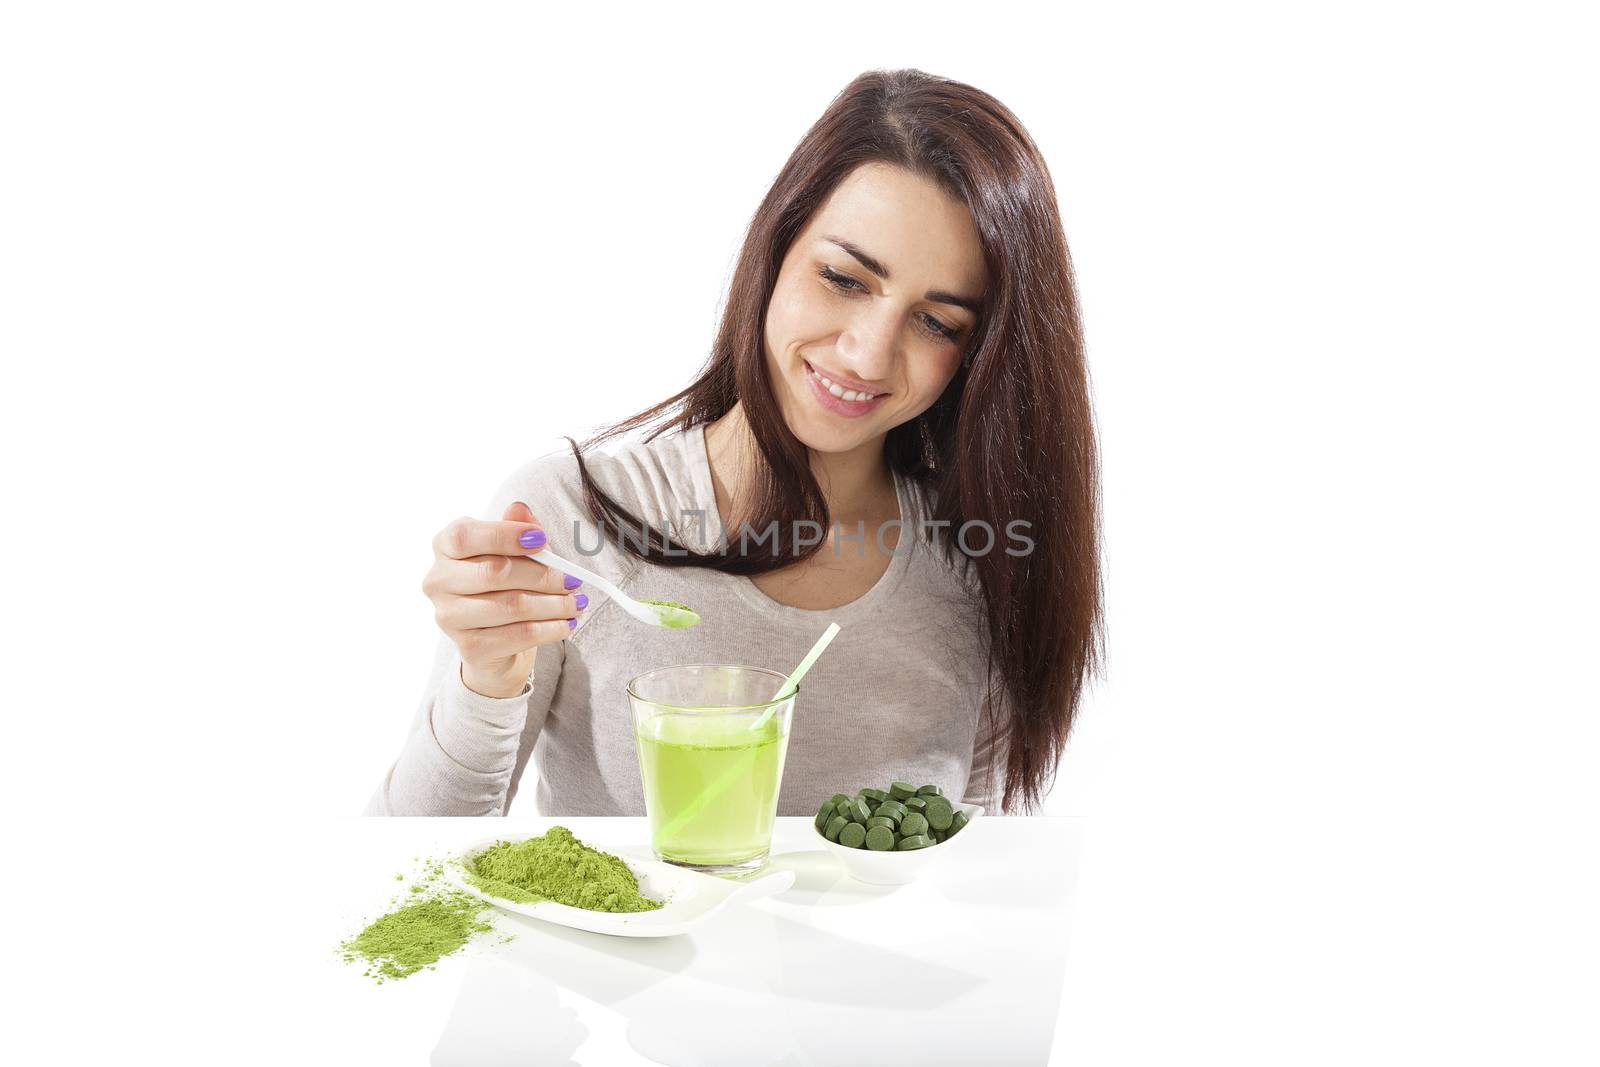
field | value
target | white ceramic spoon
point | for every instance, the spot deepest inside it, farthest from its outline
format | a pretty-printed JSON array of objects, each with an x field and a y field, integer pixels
[
  {"x": 673, "y": 618},
  {"x": 689, "y": 897}
]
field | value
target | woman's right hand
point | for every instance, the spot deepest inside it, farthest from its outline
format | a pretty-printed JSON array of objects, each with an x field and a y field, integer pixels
[{"x": 495, "y": 603}]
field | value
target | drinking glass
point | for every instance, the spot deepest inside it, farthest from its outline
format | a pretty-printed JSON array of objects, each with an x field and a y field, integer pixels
[{"x": 710, "y": 782}]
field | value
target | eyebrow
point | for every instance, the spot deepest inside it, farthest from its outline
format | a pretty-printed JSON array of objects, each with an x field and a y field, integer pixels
[{"x": 972, "y": 304}]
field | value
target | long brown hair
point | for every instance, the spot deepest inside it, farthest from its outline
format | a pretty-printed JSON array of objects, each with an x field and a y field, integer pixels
[{"x": 1011, "y": 438}]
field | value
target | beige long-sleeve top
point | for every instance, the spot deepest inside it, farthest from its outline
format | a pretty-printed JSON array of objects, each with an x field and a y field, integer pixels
[{"x": 897, "y": 696}]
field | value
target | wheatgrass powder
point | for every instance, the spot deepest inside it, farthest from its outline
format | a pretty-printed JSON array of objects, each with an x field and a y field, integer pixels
[
  {"x": 427, "y": 922},
  {"x": 558, "y": 867}
]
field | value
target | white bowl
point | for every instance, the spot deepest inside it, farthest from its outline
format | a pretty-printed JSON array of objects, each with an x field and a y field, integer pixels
[{"x": 898, "y": 868}]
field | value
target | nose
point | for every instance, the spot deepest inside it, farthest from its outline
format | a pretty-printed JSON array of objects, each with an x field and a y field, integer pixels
[{"x": 867, "y": 349}]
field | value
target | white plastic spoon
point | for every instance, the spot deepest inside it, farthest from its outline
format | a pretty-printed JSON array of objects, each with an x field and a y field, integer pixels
[{"x": 673, "y": 617}]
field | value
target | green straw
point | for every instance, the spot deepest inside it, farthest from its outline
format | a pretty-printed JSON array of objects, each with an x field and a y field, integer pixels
[{"x": 793, "y": 681}]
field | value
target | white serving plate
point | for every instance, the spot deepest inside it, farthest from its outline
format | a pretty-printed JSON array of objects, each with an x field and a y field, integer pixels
[
  {"x": 691, "y": 898},
  {"x": 897, "y": 868}
]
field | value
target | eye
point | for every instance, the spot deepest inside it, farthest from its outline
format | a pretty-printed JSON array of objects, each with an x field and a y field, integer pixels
[
  {"x": 949, "y": 333},
  {"x": 845, "y": 283},
  {"x": 839, "y": 281}
]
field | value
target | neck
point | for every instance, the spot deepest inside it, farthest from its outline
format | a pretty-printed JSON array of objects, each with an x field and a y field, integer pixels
[{"x": 856, "y": 484}]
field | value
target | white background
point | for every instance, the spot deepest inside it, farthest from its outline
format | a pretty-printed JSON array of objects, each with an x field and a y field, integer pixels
[{"x": 284, "y": 287}]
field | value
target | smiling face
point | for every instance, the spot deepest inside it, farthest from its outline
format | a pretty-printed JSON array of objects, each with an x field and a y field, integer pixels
[{"x": 865, "y": 327}]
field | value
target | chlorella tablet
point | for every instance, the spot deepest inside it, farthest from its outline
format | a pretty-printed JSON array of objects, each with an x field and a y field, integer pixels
[
  {"x": 837, "y": 823},
  {"x": 957, "y": 821},
  {"x": 891, "y": 809},
  {"x": 859, "y": 812},
  {"x": 902, "y": 790},
  {"x": 880, "y": 839},
  {"x": 913, "y": 824},
  {"x": 907, "y": 844},
  {"x": 916, "y": 804},
  {"x": 878, "y": 821},
  {"x": 939, "y": 813},
  {"x": 852, "y": 835},
  {"x": 930, "y": 791},
  {"x": 825, "y": 814}
]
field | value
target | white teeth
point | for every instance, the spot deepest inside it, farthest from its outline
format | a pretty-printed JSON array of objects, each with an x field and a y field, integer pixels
[{"x": 841, "y": 393}]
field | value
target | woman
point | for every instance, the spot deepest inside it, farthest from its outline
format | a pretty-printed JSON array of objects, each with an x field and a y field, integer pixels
[{"x": 893, "y": 432}]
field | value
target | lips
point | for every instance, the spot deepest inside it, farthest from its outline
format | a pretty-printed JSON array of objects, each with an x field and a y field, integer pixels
[
  {"x": 844, "y": 392},
  {"x": 846, "y": 402}
]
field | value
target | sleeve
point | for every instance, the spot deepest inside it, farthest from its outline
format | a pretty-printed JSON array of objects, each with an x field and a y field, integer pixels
[
  {"x": 465, "y": 751},
  {"x": 987, "y": 777}
]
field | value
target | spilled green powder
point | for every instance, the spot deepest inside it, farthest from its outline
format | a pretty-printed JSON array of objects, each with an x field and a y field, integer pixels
[
  {"x": 558, "y": 867},
  {"x": 429, "y": 921},
  {"x": 417, "y": 935}
]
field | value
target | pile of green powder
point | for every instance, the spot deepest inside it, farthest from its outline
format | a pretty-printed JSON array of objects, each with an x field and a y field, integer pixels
[
  {"x": 561, "y": 868},
  {"x": 427, "y": 922}
]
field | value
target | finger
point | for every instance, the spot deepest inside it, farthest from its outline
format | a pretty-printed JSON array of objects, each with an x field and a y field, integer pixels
[
  {"x": 501, "y": 609},
  {"x": 489, "y": 574},
  {"x": 517, "y": 511},
  {"x": 467, "y": 537},
  {"x": 498, "y": 642}
]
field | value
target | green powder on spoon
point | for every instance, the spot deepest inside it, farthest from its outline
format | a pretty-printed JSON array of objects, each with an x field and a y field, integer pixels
[
  {"x": 673, "y": 615},
  {"x": 558, "y": 867}
]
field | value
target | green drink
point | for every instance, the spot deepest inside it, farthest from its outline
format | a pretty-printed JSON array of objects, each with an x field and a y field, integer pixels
[{"x": 710, "y": 782}]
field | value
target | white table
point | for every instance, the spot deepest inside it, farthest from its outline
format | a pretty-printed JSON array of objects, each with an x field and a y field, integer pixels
[{"x": 962, "y": 967}]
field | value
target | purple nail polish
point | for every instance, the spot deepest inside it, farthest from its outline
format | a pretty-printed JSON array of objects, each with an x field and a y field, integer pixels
[
  {"x": 570, "y": 582},
  {"x": 582, "y": 601},
  {"x": 572, "y": 624},
  {"x": 531, "y": 539}
]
